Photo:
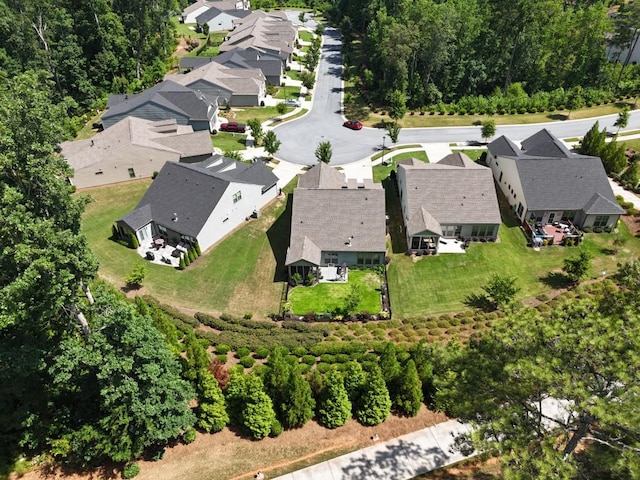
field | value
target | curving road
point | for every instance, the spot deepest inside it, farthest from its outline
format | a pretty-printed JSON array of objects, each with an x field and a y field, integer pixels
[{"x": 300, "y": 137}]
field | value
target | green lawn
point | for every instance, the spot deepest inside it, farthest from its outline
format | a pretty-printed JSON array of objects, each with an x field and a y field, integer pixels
[
  {"x": 473, "y": 154},
  {"x": 380, "y": 172},
  {"x": 287, "y": 92},
  {"x": 293, "y": 74},
  {"x": 327, "y": 297},
  {"x": 229, "y": 141},
  {"x": 438, "y": 284},
  {"x": 635, "y": 144},
  {"x": 243, "y": 273},
  {"x": 436, "y": 120},
  {"x": 261, "y": 113},
  {"x": 305, "y": 35}
]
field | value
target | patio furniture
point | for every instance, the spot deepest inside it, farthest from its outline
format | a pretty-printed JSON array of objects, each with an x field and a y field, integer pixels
[
  {"x": 176, "y": 253},
  {"x": 150, "y": 255},
  {"x": 159, "y": 242}
]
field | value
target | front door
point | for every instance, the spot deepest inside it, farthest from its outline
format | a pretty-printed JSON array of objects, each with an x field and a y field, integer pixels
[{"x": 552, "y": 217}]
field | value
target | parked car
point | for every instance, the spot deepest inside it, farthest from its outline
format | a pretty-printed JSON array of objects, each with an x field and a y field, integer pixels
[
  {"x": 353, "y": 124},
  {"x": 233, "y": 127},
  {"x": 292, "y": 102}
]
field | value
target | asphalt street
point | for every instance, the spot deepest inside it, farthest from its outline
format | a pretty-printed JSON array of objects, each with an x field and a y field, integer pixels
[{"x": 300, "y": 137}]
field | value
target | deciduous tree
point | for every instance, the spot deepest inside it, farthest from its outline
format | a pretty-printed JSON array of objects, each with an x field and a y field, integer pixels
[
  {"x": 576, "y": 268},
  {"x": 488, "y": 129},
  {"x": 271, "y": 143},
  {"x": 324, "y": 152}
]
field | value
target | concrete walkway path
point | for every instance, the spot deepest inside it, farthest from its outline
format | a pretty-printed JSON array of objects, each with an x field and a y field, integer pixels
[{"x": 402, "y": 458}]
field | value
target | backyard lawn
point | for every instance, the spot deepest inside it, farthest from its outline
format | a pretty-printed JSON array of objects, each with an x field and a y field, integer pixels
[
  {"x": 439, "y": 284},
  {"x": 236, "y": 276},
  {"x": 327, "y": 297},
  {"x": 305, "y": 35},
  {"x": 261, "y": 113},
  {"x": 473, "y": 154}
]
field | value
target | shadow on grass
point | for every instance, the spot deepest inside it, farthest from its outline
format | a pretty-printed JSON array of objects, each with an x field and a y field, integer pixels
[
  {"x": 278, "y": 235},
  {"x": 556, "y": 280},
  {"x": 480, "y": 302},
  {"x": 557, "y": 116},
  {"x": 392, "y": 207}
]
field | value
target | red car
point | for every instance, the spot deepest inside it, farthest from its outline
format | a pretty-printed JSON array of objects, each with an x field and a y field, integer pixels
[
  {"x": 233, "y": 127},
  {"x": 353, "y": 124}
]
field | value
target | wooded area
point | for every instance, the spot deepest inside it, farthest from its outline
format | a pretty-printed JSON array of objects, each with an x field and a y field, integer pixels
[{"x": 432, "y": 51}]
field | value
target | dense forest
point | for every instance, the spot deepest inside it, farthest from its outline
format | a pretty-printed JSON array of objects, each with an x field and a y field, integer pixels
[{"x": 433, "y": 50}]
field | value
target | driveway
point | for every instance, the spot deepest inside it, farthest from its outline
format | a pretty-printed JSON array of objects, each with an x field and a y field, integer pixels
[{"x": 300, "y": 137}]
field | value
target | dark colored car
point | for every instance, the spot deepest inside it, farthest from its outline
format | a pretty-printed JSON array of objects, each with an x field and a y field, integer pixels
[
  {"x": 353, "y": 124},
  {"x": 233, "y": 127}
]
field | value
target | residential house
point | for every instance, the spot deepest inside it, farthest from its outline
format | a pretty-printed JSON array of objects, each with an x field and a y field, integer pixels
[
  {"x": 454, "y": 198},
  {"x": 188, "y": 203},
  {"x": 165, "y": 101},
  {"x": 269, "y": 33},
  {"x": 237, "y": 87},
  {"x": 220, "y": 20},
  {"x": 134, "y": 148},
  {"x": 544, "y": 182},
  {"x": 270, "y": 65},
  {"x": 335, "y": 222},
  {"x": 191, "y": 13}
]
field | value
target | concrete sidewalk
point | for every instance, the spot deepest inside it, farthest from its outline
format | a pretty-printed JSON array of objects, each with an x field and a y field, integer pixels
[{"x": 402, "y": 458}]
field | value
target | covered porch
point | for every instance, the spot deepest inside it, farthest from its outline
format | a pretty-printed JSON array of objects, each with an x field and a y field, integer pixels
[{"x": 334, "y": 274}]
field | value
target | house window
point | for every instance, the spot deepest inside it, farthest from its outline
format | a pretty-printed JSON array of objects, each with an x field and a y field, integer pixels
[
  {"x": 601, "y": 221},
  {"x": 162, "y": 229},
  {"x": 132, "y": 173},
  {"x": 500, "y": 179},
  {"x": 368, "y": 259},
  {"x": 237, "y": 196},
  {"x": 451, "y": 230},
  {"x": 330, "y": 257},
  {"x": 482, "y": 231},
  {"x": 569, "y": 215}
]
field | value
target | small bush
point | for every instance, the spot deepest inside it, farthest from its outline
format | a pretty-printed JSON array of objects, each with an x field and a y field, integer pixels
[
  {"x": 189, "y": 436},
  {"x": 236, "y": 369},
  {"x": 222, "y": 349},
  {"x": 308, "y": 359},
  {"x": 299, "y": 351},
  {"x": 130, "y": 470},
  {"x": 247, "y": 362},
  {"x": 243, "y": 352},
  {"x": 262, "y": 352},
  {"x": 248, "y": 316},
  {"x": 323, "y": 367},
  {"x": 222, "y": 358},
  {"x": 276, "y": 429}
]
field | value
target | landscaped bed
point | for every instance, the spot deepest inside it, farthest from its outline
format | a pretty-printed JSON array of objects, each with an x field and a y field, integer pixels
[{"x": 330, "y": 297}]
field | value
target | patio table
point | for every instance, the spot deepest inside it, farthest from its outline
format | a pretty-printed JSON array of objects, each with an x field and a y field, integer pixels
[{"x": 159, "y": 242}]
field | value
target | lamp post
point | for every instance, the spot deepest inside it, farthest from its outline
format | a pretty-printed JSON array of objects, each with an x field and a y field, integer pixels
[{"x": 383, "y": 147}]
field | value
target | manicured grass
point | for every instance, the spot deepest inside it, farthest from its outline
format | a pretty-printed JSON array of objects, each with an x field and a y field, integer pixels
[
  {"x": 187, "y": 30},
  {"x": 287, "y": 92},
  {"x": 629, "y": 132},
  {"x": 215, "y": 40},
  {"x": 305, "y": 35},
  {"x": 473, "y": 154},
  {"x": 446, "y": 120},
  {"x": 635, "y": 144},
  {"x": 293, "y": 74},
  {"x": 327, "y": 297},
  {"x": 380, "y": 172},
  {"x": 235, "y": 276},
  {"x": 292, "y": 117},
  {"x": 438, "y": 284},
  {"x": 87, "y": 131},
  {"x": 229, "y": 141},
  {"x": 261, "y": 113}
]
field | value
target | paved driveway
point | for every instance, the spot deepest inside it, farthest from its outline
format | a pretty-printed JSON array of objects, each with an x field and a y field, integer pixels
[{"x": 300, "y": 137}]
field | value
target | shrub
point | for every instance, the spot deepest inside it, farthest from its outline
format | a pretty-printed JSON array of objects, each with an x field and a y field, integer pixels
[
  {"x": 308, "y": 359},
  {"x": 222, "y": 358},
  {"x": 323, "y": 367},
  {"x": 296, "y": 279},
  {"x": 136, "y": 277},
  {"x": 130, "y": 470},
  {"x": 222, "y": 349},
  {"x": 133, "y": 241},
  {"x": 262, "y": 352},
  {"x": 276, "y": 429},
  {"x": 299, "y": 351},
  {"x": 247, "y": 362},
  {"x": 242, "y": 352},
  {"x": 189, "y": 436}
]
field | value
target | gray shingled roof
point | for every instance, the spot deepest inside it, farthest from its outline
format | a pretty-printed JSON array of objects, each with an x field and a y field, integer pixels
[
  {"x": 213, "y": 12},
  {"x": 452, "y": 195},
  {"x": 423, "y": 221},
  {"x": 504, "y": 147},
  {"x": 458, "y": 159},
  {"x": 233, "y": 171},
  {"x": 250, "y": 58},
  {"x": 325, "y": 220},
  {"x": 193, "y": 62},
  {"x": 565, "y": 183},
  {"x": 190, "y": 192},
  {"x": 554, "y": 178},
  {"x": 168, "y": 94},
  {"x": 322, "y": 175},
  {"x": 544, "y": 144}
]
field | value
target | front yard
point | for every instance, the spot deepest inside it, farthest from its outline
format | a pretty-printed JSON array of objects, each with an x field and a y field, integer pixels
[{"x": 328, "y": 297}]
